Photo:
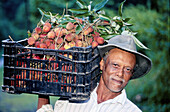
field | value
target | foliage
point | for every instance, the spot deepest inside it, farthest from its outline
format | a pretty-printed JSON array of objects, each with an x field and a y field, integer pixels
[
  {"x": 152, "y": 31},
  {"x": 107, "y": 26}
]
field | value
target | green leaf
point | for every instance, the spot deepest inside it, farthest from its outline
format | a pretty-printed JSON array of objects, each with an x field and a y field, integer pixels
[
  {"x": 100, "y": 5},
  {"x": 119, "y": 23},
  {"x": 79, "y": 11},
  {"x": 48, "y": 14},
  {"x": 138, "y": 43},
  {"x": 78, "y": 29},
  {"x": 62, "y": 25},
  {"x": 127, "y": 24},
  {"x": 41, "y": 11},
  {"x": 121, "y": 7},
  {"x": 81, "y": 4},
  {"x": 101, "y": 27},
  {"x": 104, "y": 17},
  {"x": 29, "y": 33},
  {"x": 82, "y": 15},
  {"x": 66, "y": 21},
  {"x": 107, "y": 37},
  {"x": 126, "y": 19}
]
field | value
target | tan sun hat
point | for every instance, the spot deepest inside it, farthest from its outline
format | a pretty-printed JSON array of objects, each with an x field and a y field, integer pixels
[{"x": 126, "y": 43}]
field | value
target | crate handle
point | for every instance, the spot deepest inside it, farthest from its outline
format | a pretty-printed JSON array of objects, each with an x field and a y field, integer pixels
[{"x": 64, "y": 57}]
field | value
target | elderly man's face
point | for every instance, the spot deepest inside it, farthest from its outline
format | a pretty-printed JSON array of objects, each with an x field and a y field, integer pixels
[{"x": 117, "y": 69}]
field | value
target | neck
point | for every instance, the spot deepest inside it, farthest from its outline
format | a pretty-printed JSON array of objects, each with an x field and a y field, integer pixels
[{"x": 103, "y": 93}]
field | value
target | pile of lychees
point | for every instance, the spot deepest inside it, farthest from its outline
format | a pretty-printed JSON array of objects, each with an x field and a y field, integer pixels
[{"x": 50, "y": 36}]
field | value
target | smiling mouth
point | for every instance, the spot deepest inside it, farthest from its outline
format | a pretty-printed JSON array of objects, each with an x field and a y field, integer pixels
[{"x": 119, "y": 82}]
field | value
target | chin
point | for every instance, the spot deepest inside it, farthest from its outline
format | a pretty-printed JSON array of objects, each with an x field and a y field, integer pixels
[{"x": 115, "y": 90}]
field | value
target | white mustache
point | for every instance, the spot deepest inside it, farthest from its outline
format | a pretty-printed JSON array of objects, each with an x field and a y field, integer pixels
[{"x": 118, "y": 79}]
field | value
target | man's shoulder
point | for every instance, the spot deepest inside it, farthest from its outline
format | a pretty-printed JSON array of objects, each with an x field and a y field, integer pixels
[{"x": 129, "y": 106}]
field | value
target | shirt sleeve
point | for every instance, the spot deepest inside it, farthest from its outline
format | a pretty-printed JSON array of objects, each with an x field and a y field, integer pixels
[{"x": 60, "y": 105}]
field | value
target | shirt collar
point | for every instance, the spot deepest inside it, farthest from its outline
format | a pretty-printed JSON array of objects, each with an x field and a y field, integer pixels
[{"x": 118, "y": 99}]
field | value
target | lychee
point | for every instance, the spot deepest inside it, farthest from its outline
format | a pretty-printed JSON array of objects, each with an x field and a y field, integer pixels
[
  {"x": 43, "y": 45},
  {"x": 31, "y": 40},
  {"x": 38, "y": 30},
  {"x": 46, "y": 28},
  {"x": 52, "y": 46},
  {"x": 37, "y": 44},
  {"x": 35, "y": 35},
  {"x": 100, "y": 40},
  {"x": 59, "y": 40},
  {"x": 94, "y": 44},
  {"x": 72, "y": 44},
  {"x": 69, "y": 37},
  {"x": 88, "y": 30},
  {"x": 47, "y": 42},
  {"x": 51, "y": 35},
  {"x": 79, "y": 43},
  {"x": 66, "y": 46},
  {"x": 43, "y": 35},
  {"x": 47, "y": 24},
  {"x": 58, "y": 32},
  {"x": 69, "y": 26},
  {"x": 64, "y": 31}
]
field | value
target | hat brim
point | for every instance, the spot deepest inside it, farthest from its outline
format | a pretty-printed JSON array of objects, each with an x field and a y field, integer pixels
[{"x": 143, "y": 63}]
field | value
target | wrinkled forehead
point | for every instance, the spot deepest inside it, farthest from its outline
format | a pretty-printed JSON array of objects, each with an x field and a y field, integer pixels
[{"x": 118, "y": 54}]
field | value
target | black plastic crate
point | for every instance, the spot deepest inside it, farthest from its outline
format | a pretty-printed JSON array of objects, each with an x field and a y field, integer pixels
[{"x": 72, "y": 74}]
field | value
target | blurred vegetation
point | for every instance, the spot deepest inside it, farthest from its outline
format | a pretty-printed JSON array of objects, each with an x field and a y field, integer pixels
[{"x": 151, "y": 21}]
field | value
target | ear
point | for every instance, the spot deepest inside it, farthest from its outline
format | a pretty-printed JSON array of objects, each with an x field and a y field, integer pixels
[{"x": 101, "y": 64}]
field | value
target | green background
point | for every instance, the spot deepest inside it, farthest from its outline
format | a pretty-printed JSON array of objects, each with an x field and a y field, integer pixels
[{"x": 150, "y": 18}]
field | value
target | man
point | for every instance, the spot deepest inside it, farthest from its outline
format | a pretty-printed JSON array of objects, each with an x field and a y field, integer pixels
[{"x": 120, "y": 63}]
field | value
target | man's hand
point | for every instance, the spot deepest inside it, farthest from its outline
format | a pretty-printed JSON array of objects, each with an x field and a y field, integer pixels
[
  {"x": 43, "y": 100},
  {"x": 46, "y": 108}
]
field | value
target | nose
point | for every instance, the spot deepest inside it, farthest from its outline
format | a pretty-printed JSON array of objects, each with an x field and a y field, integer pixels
[{"x": 120, "y": 72}]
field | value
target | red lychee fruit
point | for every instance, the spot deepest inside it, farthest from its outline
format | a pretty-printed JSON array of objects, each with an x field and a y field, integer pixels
[
  {"x": 43, "y": 45},
  {"x": 64, "y": 31},
  {"x": 35, "y": 35},
  {"x": 59, "y": 40},
  {"x": 66, "y": 46},
  {"x": 42, "y": 40},
  {"x": 96, "y": 33},
  {"x": 95, "y": 38},
  {"x": 47, "y": 24},
  {"x": 51, "y": 35},
  {"x": 100, "y": 40},
  {"x": 37, "y": 44},
  {"x": 94, "y": 44},
  {"x": 38, "y": 30},
  {"x": 79, "y": 43},
  {"x": 47, "y": 42},
  {"x": 69, "y": 26},
  {"x": 72, "y": 44},
  {"x": 46, "y": 28},
  {"x": 88, "y": 30},
  {"x": 69, "y": 37},
  {"x": 52, "y": 46},
  {"x": 31, "y": 40},
  {"x": 43, "y": 35},
  {"x": 58, "y": 32}
]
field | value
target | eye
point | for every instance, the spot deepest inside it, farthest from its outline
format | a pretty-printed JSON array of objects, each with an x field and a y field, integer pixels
[
  {"x": 128, "y": 69},
  {"x": 115, "y": 65}
]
